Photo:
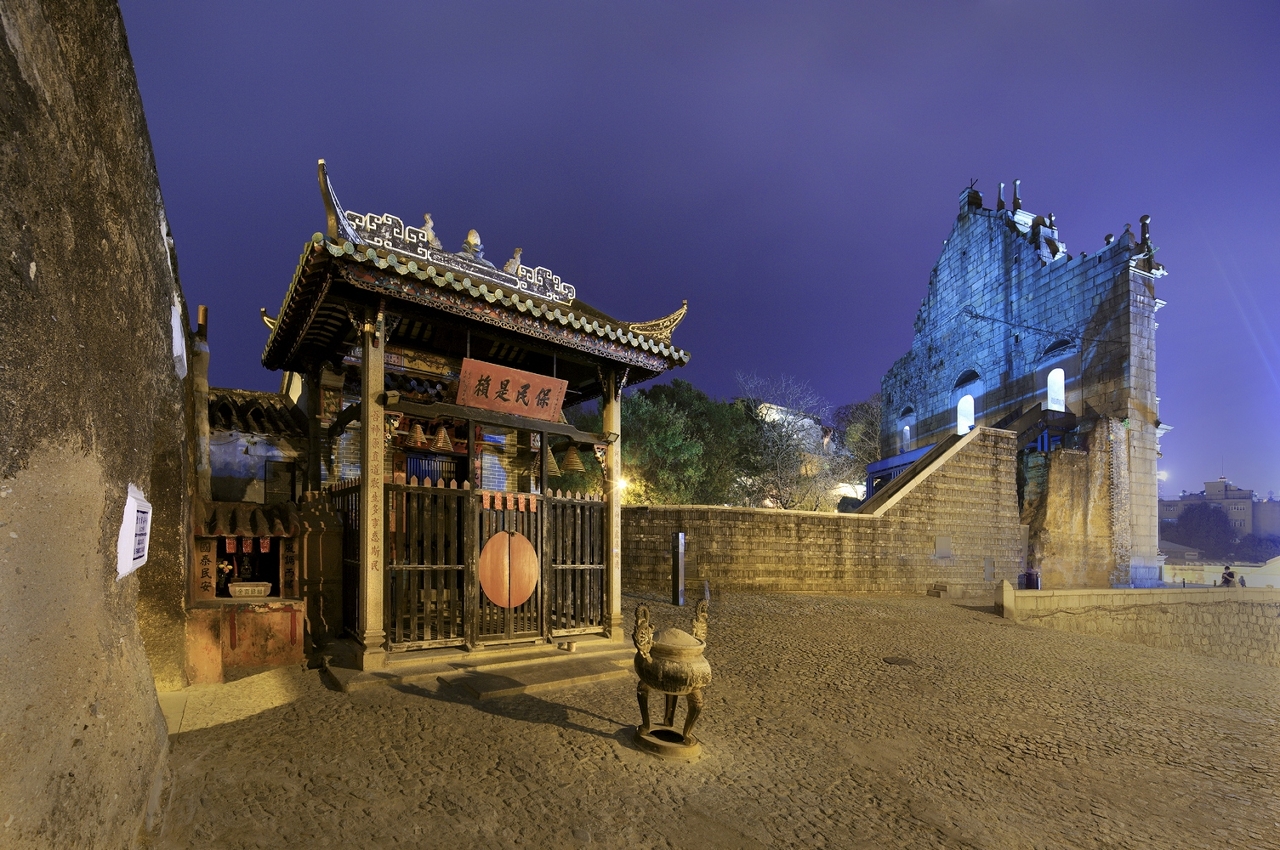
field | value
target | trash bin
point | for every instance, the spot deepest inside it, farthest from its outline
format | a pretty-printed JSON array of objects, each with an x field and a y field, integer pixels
[{"x": 1030, "y": 580}]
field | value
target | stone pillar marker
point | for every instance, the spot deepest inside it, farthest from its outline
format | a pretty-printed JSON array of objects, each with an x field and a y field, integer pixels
[
  {"x": 372, "y": 519},
  {"x": 612, "y": 424}
]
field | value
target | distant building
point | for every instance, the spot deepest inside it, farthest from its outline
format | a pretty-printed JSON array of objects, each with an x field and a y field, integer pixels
[{"x": 1248, "y": 514}]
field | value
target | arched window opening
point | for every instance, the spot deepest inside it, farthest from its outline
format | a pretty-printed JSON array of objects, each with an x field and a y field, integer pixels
[
  {"x": 964, "y": 415},
  {"x": 906, "y": 422},
  {"x": 1057, "y": 390}
]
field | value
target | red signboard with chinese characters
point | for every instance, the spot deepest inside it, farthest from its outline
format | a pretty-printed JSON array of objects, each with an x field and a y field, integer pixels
[{"x": 506, "y": 390}]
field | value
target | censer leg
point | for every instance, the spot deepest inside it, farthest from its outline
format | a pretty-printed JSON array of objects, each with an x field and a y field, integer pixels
[
  {"x": 669, "y": 719},
  {"x": 693, "y": 707},
  {"x": 642, "y": 696}
]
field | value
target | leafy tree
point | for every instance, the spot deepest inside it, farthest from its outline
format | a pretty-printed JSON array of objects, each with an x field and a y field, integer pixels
[
  {"x": 661, "y": 453},
  {"x": 1256, "y": 549},
  {"x": 661, "y": 456},
  {"x": 1206, "y": 527},
  {"x": 725, "y": 431}
]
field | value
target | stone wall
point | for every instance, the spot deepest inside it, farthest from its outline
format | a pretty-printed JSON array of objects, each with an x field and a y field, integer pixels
[
  {"x": 1239, "y": 623},
  {"x": 956, "y": 524},
  {"x": 90, "y": 402},
  {"x": 1005, "y": 305},
  {"x": 1067, "y": 509}
]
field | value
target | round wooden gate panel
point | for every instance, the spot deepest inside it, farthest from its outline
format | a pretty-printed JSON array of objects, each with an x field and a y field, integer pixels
[
  {"x": 508, "y": 569},
  {"x": 524, "y": 569}
]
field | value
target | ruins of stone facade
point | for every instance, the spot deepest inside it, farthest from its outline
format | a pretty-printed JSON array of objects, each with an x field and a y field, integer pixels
[{"x": 1016, "y": 333}]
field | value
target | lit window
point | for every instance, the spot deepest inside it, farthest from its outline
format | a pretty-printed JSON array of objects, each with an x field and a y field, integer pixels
[
  {"x": 1057, "y": 390},
  {"x": 906, "y": 438},
  {"x": 964, "y": 415}
]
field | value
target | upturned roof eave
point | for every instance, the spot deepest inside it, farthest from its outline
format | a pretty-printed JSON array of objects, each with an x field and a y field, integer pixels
[{"x": 322, "y": 253}]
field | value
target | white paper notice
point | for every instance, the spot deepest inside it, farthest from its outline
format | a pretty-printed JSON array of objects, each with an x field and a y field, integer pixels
[
  {"x": 179, "y": 331},
  {"x": 135, "y": 533}
]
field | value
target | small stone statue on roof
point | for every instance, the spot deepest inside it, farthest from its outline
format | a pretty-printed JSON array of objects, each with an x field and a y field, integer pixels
[
  {"x": 429, "y": 226},
  {"x": 513, "y": 264},
  {"x": 473, "y": 250}
]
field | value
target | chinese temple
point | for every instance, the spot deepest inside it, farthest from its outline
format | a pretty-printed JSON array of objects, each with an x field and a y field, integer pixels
[{"x": 433, "y": 384}]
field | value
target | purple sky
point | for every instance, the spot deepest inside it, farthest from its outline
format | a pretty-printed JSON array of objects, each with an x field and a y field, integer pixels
[{"x": 790, "y": 169}]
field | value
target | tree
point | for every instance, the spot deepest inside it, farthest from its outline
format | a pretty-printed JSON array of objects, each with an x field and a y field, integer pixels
[
  {"x": 1205, "y": 527},
  {"x": 661, "y": 456},
  {"x": 724, "y": 430},
  {"x": 799, "y": 463},
  {"x": 1257, "y": 549},
  {"x": 661, "y": 453},
  {"x": 858, "y": 425}
]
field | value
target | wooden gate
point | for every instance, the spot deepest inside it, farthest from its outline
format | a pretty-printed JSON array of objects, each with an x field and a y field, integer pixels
[
  {"x": 344, "y": 498},
  {"x": 436, "y": 542},
  {"x": 426, "y": 566},
  {"x": 508, "y": 512},
  {"x": 577, "y": 578}
]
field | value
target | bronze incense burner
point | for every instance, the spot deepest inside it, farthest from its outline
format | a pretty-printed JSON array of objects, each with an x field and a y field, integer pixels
[{"x": 671, "y": 663}]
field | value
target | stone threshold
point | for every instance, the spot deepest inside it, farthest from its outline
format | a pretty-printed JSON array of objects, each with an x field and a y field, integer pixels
[{"x": 491, "y": 671}]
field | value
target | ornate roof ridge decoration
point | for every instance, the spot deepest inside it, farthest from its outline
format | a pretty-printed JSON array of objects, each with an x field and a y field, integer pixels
[
  {"x": 661, "y": 329},
  {"x": 390, "y": 233},
  {"x": 439, "y": 282}
]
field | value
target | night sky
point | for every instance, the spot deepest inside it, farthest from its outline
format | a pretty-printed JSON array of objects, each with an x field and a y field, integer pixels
[{"x": 789, "y": 169}]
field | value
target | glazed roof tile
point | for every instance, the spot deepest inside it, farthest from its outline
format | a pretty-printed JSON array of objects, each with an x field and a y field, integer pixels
[
  {"x": 253, "y": 412},
  {"x": 249, "y": 519},
  {"x": 415, "y": 277}
]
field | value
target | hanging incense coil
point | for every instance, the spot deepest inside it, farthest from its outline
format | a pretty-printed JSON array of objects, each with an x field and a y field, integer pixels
[
  {"x": 553, "y": 470},
  {"x": 442, "y": 442},
  {"x": 572, "y": 460},
  {"x": 416, "y": 435}
]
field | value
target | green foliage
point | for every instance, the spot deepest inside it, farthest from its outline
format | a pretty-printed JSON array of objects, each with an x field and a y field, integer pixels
[
  {"x": 725, "y": 433},
  {"x": 1205, "y": 527},
  {"x": 661, "y": 456},
  {"x": 679, "y": 446},
  {"x": 1257, "y": 549}
]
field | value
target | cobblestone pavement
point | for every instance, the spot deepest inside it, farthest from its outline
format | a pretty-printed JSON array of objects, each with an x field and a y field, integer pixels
[{"x": 996, "y": 736}]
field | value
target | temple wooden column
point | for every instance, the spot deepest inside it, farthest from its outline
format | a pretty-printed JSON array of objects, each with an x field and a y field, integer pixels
[
  {"x": 612, "y": 424},
  {"x": 315, "y": 435},
  {"x": 372, "y": 490}
]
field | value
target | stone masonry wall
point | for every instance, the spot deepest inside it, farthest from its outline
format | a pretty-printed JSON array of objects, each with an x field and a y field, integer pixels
[
  {"x": 91, "y": 401},
  {"x": 1239, "y": 623},
  {"x": 969, "y": 501},
  {"x": 1002, "y": 305},
  {"x": 1066, "y": 507}
]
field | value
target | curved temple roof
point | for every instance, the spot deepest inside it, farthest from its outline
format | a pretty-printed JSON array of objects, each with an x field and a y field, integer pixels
[{"x": 405, "y": 263}]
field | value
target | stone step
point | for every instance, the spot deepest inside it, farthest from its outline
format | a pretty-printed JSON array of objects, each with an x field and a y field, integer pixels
[
  {"x": 943, "y": 590},
  {"x": 539, "y": 676},
  {"x": 428, "y": 666}
]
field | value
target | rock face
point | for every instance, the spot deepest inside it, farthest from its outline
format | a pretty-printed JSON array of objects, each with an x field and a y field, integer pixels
[{"x": 91, "y": 400}]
